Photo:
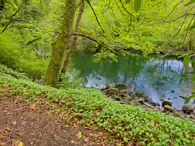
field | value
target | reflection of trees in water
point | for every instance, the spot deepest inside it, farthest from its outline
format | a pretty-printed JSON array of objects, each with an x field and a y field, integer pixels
[
  {"x": 157, "y": 73},
  {"x": 128, "y": 67},
  {"x": 164, "y": 72}
]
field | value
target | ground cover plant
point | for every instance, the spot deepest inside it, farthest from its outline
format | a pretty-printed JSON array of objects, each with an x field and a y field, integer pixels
[{"x": 130, "y": 123}]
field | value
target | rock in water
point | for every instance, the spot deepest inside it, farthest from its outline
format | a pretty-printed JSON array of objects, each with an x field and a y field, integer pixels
[
  {"x": 187, "y": 109},
  {"x": 168, "y": 108},
  {"x": 166, "y": 102},
  {"x": 121, "y": 86},
  {"x": 112, "y": 91}
]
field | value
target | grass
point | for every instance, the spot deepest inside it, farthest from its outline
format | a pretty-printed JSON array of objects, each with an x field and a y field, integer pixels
[{"x": 131, "y": 124}]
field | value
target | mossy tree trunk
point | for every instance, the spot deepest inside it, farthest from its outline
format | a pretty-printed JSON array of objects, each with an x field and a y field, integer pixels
[
  {"x": 59, "y": 46},
  {"x": 74, "y": 40}
]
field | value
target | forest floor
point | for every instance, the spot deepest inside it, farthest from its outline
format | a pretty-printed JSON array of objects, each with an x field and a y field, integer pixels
[{"x": 27, "y": 124}]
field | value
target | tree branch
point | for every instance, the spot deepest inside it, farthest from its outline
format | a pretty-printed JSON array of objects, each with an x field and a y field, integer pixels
[
  {"x": 188, "y": 31},
  {"x": 177, "y": 31},
  {"x": 9, "y": 22},
  {"x": 95, "y": 15},
  {"x": 96, "y": 41},
  {"x": 184, "y": 15},
  {"x": 32, "y": 41},
  {"x": 173, "y": 9}
]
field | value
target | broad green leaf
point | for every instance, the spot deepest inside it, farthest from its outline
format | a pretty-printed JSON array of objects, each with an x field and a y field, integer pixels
[
  {"x": 137, "y": 5},
  {"x": 190, "y": 2},
  {"x": 128, "y": 1}
]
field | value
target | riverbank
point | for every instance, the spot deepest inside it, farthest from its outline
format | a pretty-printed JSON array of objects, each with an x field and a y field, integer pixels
[
  {"x": 131, "y": 124},
  {"x": 125, "y": 94}
]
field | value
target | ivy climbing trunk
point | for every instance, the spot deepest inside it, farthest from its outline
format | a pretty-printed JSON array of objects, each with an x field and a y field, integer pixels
[
  {"x": 74, "y": 40},
  {"x": 59, "y": 46}
]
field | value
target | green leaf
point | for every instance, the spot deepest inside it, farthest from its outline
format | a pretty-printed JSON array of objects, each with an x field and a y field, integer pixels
[
  {"x": 190, "y": 2},
  {"x": 128, "y": 1},
  {"x": 137, "y": 5},
  {"x": 189, "y": 99},
  {"x": 186, "y": 60}
]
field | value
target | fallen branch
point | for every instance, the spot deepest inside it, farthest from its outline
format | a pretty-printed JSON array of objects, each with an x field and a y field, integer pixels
[{"x": 38, "y": 53}]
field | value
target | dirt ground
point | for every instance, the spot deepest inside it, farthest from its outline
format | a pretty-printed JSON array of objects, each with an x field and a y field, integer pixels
[{"x": 21, "y": 124}]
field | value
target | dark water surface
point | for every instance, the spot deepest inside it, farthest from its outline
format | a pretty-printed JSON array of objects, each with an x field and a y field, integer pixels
[{"x": 158, "y": 78}]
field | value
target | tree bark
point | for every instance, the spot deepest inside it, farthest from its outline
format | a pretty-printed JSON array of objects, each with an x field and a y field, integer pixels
[
  {"x": 74, "y": 40},
  {"x": 59, "y": 46}
]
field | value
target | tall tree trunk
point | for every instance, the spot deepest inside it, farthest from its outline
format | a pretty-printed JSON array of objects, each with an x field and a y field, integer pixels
[
  {"x": 74, "y": 40},
  {"x": 59, "y": 46}
]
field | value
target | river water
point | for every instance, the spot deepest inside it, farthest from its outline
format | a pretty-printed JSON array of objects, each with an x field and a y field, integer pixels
[{"x": 158, "y": 78}]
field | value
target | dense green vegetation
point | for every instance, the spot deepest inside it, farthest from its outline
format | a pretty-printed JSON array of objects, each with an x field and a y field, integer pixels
[
  {"x": 132, "y": 124},
  {"x": 38, "y": 37},
  {"x": 158, "y": 27}
]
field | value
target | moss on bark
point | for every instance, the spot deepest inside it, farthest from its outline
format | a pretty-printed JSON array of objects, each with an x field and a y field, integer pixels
[{"x": 59, "y": 46}]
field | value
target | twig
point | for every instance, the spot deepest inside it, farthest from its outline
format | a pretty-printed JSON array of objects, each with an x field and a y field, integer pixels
[
  {"x": 125, "y": 8},
  {"x": 177, "y": 32},
  {"x": 188, "y": 31},
  {"x": 130, "y": 18},
  {"x": 180, "y": 17},
  {"x": 173, "y": 9},
  {"x": 108, "y": 6},
  {"x": 119, "y": 8}
]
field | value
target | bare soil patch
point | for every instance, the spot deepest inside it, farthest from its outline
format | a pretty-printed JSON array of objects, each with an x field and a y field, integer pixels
[{"x": 22, "y": 124}]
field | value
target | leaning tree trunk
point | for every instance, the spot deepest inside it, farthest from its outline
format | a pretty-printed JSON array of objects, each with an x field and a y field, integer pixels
[
  {"x": 59, "y": 46},
  {"x": 74, "y": 40}
]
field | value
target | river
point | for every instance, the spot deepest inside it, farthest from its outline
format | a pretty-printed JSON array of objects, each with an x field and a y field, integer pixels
[{"x": 158, "y": 78}]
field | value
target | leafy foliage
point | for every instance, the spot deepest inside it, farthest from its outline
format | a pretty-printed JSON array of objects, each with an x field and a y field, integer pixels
[{"x": 21, "y": 59}]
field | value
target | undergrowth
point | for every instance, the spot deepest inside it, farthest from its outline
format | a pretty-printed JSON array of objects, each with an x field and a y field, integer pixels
[
  {"x": 132, "y": 124},
  {"x": 22, "y": 59},
  {"x": 9, "y": 72}
]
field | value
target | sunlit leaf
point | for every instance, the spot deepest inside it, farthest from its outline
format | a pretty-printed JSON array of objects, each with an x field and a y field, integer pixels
[{"x": 137, "y": 5}]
